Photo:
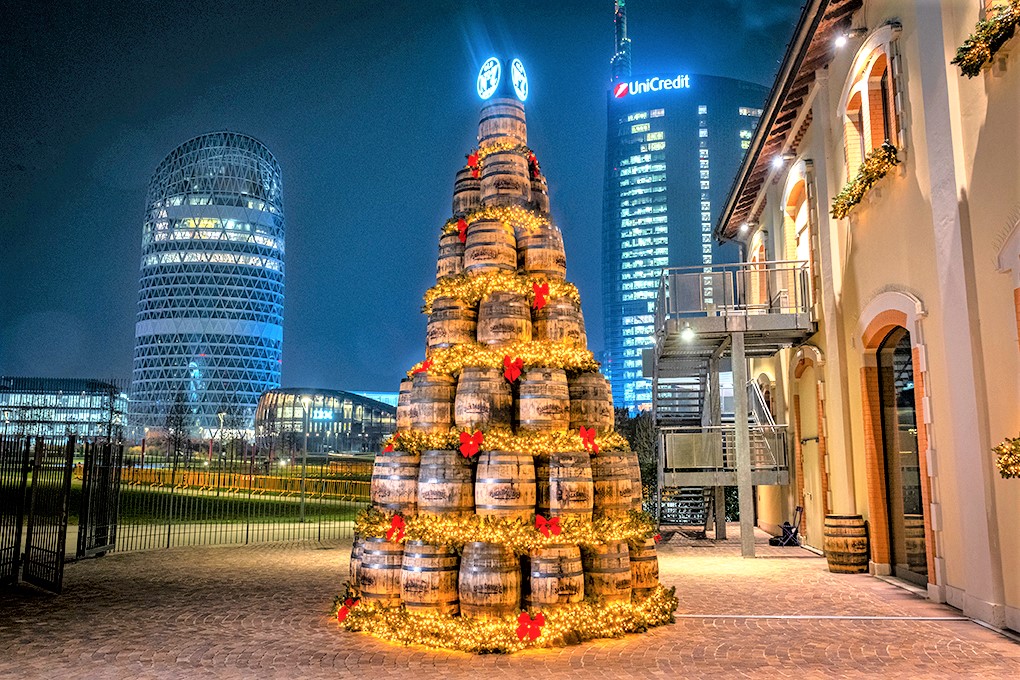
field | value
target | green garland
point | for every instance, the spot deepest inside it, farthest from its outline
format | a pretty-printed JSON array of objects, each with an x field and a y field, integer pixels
[
  {"x": 876, "y": 165},
  {"x": 988, "y": 37},
  {"x": 1007, "y": 458}
]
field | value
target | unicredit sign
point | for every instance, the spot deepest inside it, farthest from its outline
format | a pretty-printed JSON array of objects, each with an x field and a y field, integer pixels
[{"x": 653, "y": 84}]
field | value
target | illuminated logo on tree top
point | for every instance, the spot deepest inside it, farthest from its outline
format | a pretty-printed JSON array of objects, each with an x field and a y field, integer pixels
[
  {"x": 519, "y": 79},
  {"x": 488, "y": 77},
  {"x": 491, "y": 81}
]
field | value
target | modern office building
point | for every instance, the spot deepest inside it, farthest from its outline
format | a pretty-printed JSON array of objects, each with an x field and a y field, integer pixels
[
  {"x": 56, "y": 407},
  {"x": 209, "y": 331},
  {"x": 674, "y": 143},
  {"x": 333, "y": 422}
]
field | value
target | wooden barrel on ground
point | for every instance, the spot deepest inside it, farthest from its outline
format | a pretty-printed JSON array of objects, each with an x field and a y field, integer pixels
[
  {"x": 505, "y": 485},
  {"x": 504, "y": 318},
  {"x": 490, "y": 247},
  {"x": 636, "y": 488},
  {"x": 490, "y": 581},
  {"x": 544, "y": 403},
  {"x": 451, "y": 256},
  {"x": 355, "y": 559},
  {"x": 644, "y": 568},
  {"x": 484, "y": 399},
  {"x": 445, "y": 484},
  {"x": 466, "y": 196},
  {"x": 428, "y": 578},
  {"x": 505, "y": 179},
  {"x": 432, "y": 399},
  {"x": 404, "y": 405},
  {"x": 452, "y": 322},
  {"x": 845, "y": 542},
  {"x": 539, "y": 194},
  {"x": 564, "y": 484},
  {"x": 395, "y": 482},
  {"x": 540, "y": 251},
  {"x": 611, "y": 475},
  {"x": 502, "y": 120},
  {"x": 379, "y": 571},
  {"x": 607, "y": 571},
  {"x": 554, "y": 576},
  {"x": 591, "y": 402},
  {"x": 913, "y": 534}
]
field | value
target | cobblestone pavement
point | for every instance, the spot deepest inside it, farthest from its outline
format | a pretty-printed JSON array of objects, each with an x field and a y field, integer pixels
[{"x": 263, "y": 612}]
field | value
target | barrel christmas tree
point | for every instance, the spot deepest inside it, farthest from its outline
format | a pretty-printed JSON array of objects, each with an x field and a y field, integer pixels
[{"x": 506, "y": 512}]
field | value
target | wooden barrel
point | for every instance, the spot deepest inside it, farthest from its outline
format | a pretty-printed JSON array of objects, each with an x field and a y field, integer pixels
[
  {"x": 452, "y": 322},
  {"x": 502, "y": 120},
  {"x": 505, "y": 485},
  {"x": 611, "y": 474},
  {"x": 607, "y": 571},
  {"x": 555, "y": 576},
  {"x": 428, "y": 579},
  {"x": 355, "y": 560},
  {"x": 636, "y": 487},
  {"x": 544, "y": 404},
  {"x": 540, "y": 251},
  {"x": 591, "y": 402},
  {"x": 913, "y": 534},
  {"x": 404, "y": 405},
  {"x": 466, "y": 196},
  {"x": 504, "y": 318},
  {"x": 490, "y": 246},
  {"x": 564, "y": 484},
  {"x": 432, "y": 402},
  {"x": 395, "y": 482},
  {"x": 505, "y": 179},
  {"x": 451, "y": 256},
  {"x": 539, "y": 194},
  {"x": 846, "y": 544},
  {"x": 379, "y": 571},
  {"x": 490, "y": 581},
  {"x": 644, "y": 568},
  {"x": 445, "y": 485},
  {"x": 560, "y": 321},
  {"x": 484, "y": 399}
]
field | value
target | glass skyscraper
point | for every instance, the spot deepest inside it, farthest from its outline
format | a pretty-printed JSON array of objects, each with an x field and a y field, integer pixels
[
  {"x": 209, "y": 331},
  {"x": 673, "y": 146}
]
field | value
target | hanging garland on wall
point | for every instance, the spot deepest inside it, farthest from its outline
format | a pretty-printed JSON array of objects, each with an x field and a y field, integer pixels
[
  {"x": 988, "y": 37},
  {"x": 1007, "y": 458},
  {"x": 533, "y": 353},
  {"x": 876, "y": 165},
  {"x": 503, "y": 439},
  {"x": 473, "y": 288}
]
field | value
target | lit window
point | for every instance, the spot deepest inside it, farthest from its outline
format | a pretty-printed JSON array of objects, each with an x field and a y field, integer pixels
[
  {"x": 745, "y": 134},
  {"x": 639, "y": 115},
  {"x": 706, "y": 249},
  {"x": 703, "y": 164},
  {"x": 706, "y": 205},
  {"x": 704, "y": 174},
  {"x": 703, "y": 132},
  {"x": 703, "y": 153},
  {"x": 640, "y": 127},
  {"x": 654, "y": 136},
  {"x": 704, "y": 184},
  {"x": 706, "y": 238},
  {"x": 745, "y": 143},
  {"x": 654, "y": 146},
  {"x": 657, "y": 113},
  {"x": 702, "y": 110},
  {"x": 747, "y": 111},
  {"x": 706, "y": 259},
  {"x": 706, "y": 216}
]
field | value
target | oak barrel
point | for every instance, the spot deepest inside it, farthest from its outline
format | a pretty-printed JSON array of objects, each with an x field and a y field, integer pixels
[
  {"x": 564, "y": 484},
  {"x": 465, "y": 192},
  {"x": 490, "y": 581},
  {"x": 611, "y": 474},
  {"x": 591, "y": 402},
  {"x": 636, "y": 487},
  {"x": 428, "y": 578},
  {"x": 452, "y": 322},
  {"x": 432, "y": 402},
  {"x": 554, "y": 576},
  {"x": 607, "y": 571},
  {"x": 644, "y": 568},
  {"x": 544, "y": 404},
  {"x": 502, "y": 120},
  {"x": 445, "y": 484},
  {"x": 484, "y": 399},
  {"x": 379, "y": 571},
  {"x": 451, "y": 256},
  {"x": 404, "y": 405},
  {"x": 559, "y": 320},
  {"x": 504, "y": 318},
  {"x": 846, "y": 544},
  {"x": 395, "y": 482},
  {"x": 505, "y": 179},
  {"x": 490, "y": 246},
  {"x": 355, "y": 560},
  {"x": 540, "y": 251},
  {"x": 913, "y": 534},
  {"x": 539, "y": 194},
  {"x": 505, "y": 485}
]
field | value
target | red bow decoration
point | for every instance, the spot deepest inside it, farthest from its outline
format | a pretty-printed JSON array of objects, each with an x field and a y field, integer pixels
[
  {"x": 474, "y": 172},
  {"x": 528, "y": 627},
  {"x": 473, "y": 159},
  {"x": 396, "y": 530},
  {"x": 426, "y": 365},
  {"x": 389, "y": 448},
  {"x": 469, "y": 443},
  {"x": 512, "y": 367},
  {"x": 462, "y": 230},
  {"x": 657, "y": 537},
  {"x": 389, "y": 444},
  {"x": 541, "y": 293},
  {"x": 550, "y": 527},
  {"x": 348, "y": 605},
  {"x": 588, "y": 437}
]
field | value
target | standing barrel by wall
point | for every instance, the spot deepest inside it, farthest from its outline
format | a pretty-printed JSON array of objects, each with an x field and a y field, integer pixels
[
  {"x": 560, "y": 321},
  {"x": 644, "y": 568},
  {"x": 395, "y": 482},
  {"x": 564, "y": 484},
  {"x": 504, "y": 318},
  {"x": 539, "y": 194},
  {"x": 607, "y": 571},
  {"x": 451, "y": 256},
  {"x": 636, "y": 488},
  {"x": 355, "y": 560},
  {"x": 490, "y": 247},
  {"x": 428, "y": 579},
  {"x": 544, "y": 404},
  {"x": 490, "y": 581},
  {"x": 484, "y": 399},
  {"x": 452, "y": 322},
  {"x": 432, "y": 402},
  {"x": 445, "y": 484},
  {"x": 505, "y": 485},
  {"x": 404, "y": 405},
  {"x": 505, "y": 179},
  {"x": 611, "y": 475},
  {"x": 540, "y": 251},
  {"x": 591, "y": 402},
  {"x": 502, "y": 120},
  {"x": 554, "y": 576},
  {"x": 466, "y": 196},
  {"x": 845, "y": 542},
  {"x": 379, "y": 571}
]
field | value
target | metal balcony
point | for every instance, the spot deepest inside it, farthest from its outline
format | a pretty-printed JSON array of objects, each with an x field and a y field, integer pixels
[{"x": 707, "y": 456}]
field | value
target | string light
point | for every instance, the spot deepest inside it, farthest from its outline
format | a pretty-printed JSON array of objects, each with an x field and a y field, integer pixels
[
  {"x": 876, "y": 165},
  {"x": 1007, "y": 458},
  {"x": 988, "y": 37},
  {"x": 534, "y": 353},
  {"x": 512, "y": 216},
  {"x": 503, "y": 439},
  {"x": 473, "y": 288}
]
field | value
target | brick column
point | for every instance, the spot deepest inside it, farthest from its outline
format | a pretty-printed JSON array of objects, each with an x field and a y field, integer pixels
[
  {"x": 874, "y": 457},
  {"x": 822, "y": 467},
  {"x": 798, "y": 450}
]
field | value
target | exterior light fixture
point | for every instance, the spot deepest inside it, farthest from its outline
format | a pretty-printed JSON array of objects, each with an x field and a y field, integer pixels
[
  {"x": 777, "y": 162},
  {"x": 840, "y": 41},
  {"x": 744, "y": 227},
  {"x": 687, "y": 333}
]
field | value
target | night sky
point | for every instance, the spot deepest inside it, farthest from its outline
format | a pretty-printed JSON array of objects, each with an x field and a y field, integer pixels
[{"x": 368, "y": 106}]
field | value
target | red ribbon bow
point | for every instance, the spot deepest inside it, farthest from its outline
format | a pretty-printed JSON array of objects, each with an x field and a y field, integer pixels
[
  {"x": 512, "y": 367},
  {"x": 541, "y": 293},
  {"x": 348, "y": 605},
  {"x": 657, "y": 537},
  {"x": 528, "y": 627},
  {"x": 473, "y": 159},
  {"x": 550, "y": 527},
  {"x": 396, "y": 531},
  {"x": 426, "y": 365},
  {"x": 588, "y": 437},
  {"x": 389, "y": 444},
  {"x": 462, "y": 230},
  {"x": 469, "y": 443}
]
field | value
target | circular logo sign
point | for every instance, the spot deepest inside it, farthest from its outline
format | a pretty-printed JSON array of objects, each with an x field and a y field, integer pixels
[
  {"x": 488, "y": 77},
  {"x": 519, "y": 79}
]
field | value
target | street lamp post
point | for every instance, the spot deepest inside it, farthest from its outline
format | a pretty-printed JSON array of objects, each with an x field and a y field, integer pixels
[{"x": 305, "y": 401}]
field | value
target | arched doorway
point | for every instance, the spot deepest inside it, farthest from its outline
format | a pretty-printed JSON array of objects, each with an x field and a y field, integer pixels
[{"x": 808, "y": 432}]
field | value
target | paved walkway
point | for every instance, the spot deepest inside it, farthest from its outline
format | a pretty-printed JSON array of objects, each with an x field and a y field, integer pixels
[{"x": 263, "y": 611}]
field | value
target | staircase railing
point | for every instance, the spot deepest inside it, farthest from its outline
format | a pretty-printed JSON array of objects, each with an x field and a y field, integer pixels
[{"x": 714, "y": 449}]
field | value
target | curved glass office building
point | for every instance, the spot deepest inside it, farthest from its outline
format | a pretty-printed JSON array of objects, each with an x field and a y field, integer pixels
[
  {"x": 333, "y": 421},
  {"x": 209, "y": 332}
]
